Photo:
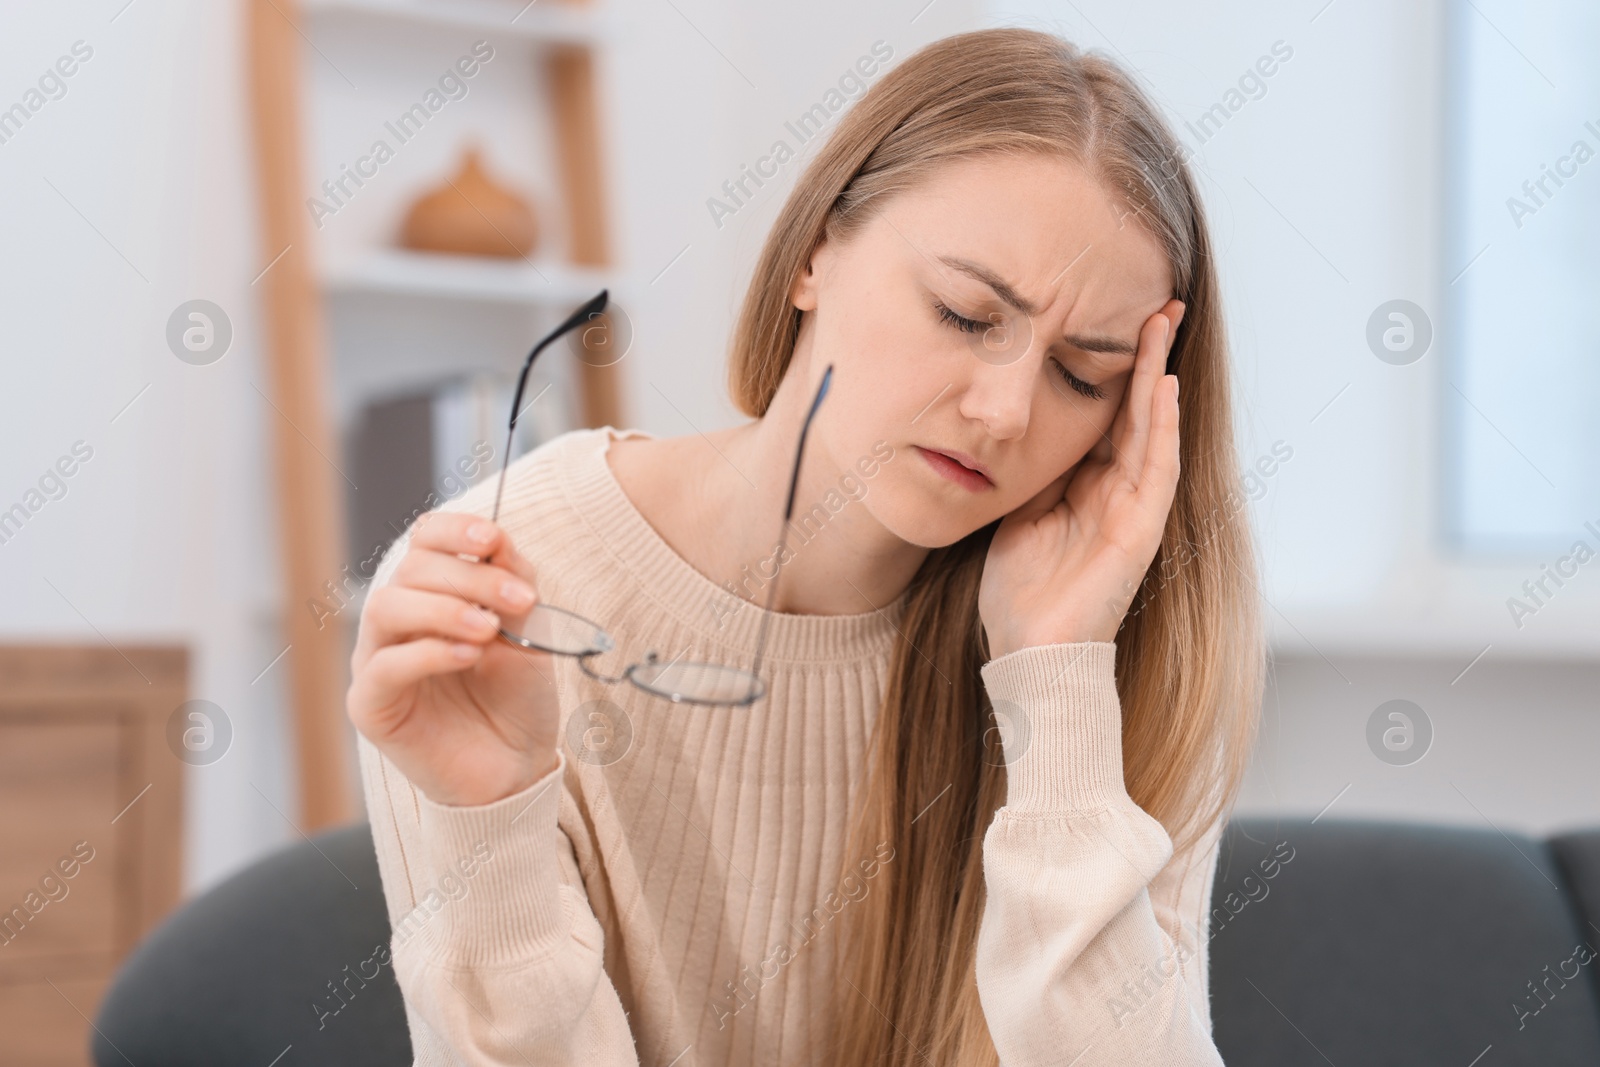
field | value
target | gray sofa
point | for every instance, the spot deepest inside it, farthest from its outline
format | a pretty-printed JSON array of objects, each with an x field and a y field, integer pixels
[{"x": 1334, "y": 942}]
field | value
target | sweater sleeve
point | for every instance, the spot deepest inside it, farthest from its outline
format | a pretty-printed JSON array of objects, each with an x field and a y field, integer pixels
[
  {"x": 1092, "y": 945},
  {"x": 496, "y": 949}
]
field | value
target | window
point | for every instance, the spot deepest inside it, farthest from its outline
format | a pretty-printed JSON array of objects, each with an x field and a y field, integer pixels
[{"x": 1522, "y": 272}]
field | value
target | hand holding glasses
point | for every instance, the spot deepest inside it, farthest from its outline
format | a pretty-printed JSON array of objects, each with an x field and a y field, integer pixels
[{"x": 564, "y": 633}]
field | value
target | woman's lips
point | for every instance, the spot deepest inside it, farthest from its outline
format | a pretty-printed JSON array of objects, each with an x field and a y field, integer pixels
[{"x": 963, "y": 476}]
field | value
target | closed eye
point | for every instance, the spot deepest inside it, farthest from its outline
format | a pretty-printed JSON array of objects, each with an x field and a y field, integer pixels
[
  {"x": 960, "y": 322},
  {"x": 966, "y": 325}
]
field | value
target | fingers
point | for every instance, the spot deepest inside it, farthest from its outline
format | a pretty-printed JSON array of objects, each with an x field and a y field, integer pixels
[
  {"x": 397, "y": 613},
  {"x": 1134, "y": 419},
  {"x": 1161, "y": 472},
  {"x": 454, "y": 534},
  {"x": 462, "y": 533},
  {"x": 436, "y": 592},
  {"x": 394, "y": 669},
  {"x": 478, "y": 583}
]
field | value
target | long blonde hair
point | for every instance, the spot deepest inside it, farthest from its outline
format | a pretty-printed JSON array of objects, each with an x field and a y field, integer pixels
[{"x": 1190, "y": 659}]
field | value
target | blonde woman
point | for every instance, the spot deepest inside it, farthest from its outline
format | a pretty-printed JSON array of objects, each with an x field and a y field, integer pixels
[{"x": 1010, "y": 674}]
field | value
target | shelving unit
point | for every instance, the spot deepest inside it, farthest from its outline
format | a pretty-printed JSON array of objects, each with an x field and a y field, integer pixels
[
  {"x": 560, "y": 23},
  {"x": 401, "y": 273},
  {"x": 441, "y": 304}
]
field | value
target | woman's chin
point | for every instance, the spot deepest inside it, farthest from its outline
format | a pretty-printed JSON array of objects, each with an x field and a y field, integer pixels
[{"x": 925, "y": 520}]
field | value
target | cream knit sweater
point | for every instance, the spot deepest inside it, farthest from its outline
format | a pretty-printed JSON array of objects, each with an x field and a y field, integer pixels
[{"x": 665, "y": 895}]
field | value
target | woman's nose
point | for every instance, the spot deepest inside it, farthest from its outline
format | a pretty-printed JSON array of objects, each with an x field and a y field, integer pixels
[{"x": 1000, "y": 395}]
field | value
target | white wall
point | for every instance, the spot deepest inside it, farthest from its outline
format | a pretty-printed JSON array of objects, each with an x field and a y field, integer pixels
[
  {"x": 1512, "y": 748},
  {"x": 165, "y": 534}
]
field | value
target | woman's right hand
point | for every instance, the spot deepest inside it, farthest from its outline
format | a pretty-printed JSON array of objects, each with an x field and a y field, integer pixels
[{"x": 467, "y": 717}]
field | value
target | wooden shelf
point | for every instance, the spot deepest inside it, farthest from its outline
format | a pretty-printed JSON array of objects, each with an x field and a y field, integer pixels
[
  {"x": 398, "y": 272},
  {"x": 555, "y": 22}
]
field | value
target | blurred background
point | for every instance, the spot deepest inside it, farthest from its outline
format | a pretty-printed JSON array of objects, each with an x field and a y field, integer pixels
[{"x": 268, "y": 265}]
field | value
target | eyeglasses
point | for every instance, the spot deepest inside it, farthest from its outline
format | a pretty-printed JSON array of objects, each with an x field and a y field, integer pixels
[{"x": 565, "y": 633}]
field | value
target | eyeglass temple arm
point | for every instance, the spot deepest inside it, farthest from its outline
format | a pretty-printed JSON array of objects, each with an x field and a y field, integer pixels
[
  {"x": 582, "y": 315},
  {"x": 788, "y": 513}
]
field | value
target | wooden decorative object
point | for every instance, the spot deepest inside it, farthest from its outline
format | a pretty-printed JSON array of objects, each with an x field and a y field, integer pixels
[
  {"x": 310, "y": 488},
  {"x": 88, "y": 785},
  {"x": 472, "y": 215}
]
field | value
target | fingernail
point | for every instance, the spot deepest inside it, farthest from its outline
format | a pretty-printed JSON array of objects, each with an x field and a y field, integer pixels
[
  {"x": 517, "y": 593},
  {"x": 480, "y": 532},
  {"x": 464, "y": 651}
]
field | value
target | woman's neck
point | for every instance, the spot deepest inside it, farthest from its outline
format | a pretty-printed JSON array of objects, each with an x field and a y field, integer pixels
[{"x": 718, "y": 500}]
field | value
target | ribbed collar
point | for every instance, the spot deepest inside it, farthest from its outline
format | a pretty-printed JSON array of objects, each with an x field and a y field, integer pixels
[{"x": 677, "y": 589}]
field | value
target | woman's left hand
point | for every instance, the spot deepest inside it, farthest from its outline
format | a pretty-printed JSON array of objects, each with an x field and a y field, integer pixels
[{"x": 1064, "y": 567}]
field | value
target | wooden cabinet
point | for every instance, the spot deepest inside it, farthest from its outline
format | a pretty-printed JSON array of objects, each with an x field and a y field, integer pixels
[{"x": 91, "y": 803}]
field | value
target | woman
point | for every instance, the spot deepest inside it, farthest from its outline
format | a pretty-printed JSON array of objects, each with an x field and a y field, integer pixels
[{"x": 1012, "y": 674}]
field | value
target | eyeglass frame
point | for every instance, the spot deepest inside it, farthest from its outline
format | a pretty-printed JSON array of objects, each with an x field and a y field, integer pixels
[{"x": 584, "y": 314}]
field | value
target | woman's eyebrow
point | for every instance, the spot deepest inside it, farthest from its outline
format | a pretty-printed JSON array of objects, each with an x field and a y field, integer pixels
[
  {"x": 1097, "y": 343},
  {"x": 1007, "y": 292},
  {"x": 1003, "y": 289}
]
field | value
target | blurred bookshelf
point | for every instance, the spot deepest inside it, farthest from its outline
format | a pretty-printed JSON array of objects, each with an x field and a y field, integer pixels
[
  {"x": 402, "y": 273},
  {"x": 395, "y": 366},
  {"x": 566, "y": 23}
]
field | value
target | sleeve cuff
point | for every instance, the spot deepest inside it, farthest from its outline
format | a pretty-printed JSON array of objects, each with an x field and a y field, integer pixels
[
  {"x": 1062, "y": 726},
  {"x": 490, "y": 882}
]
